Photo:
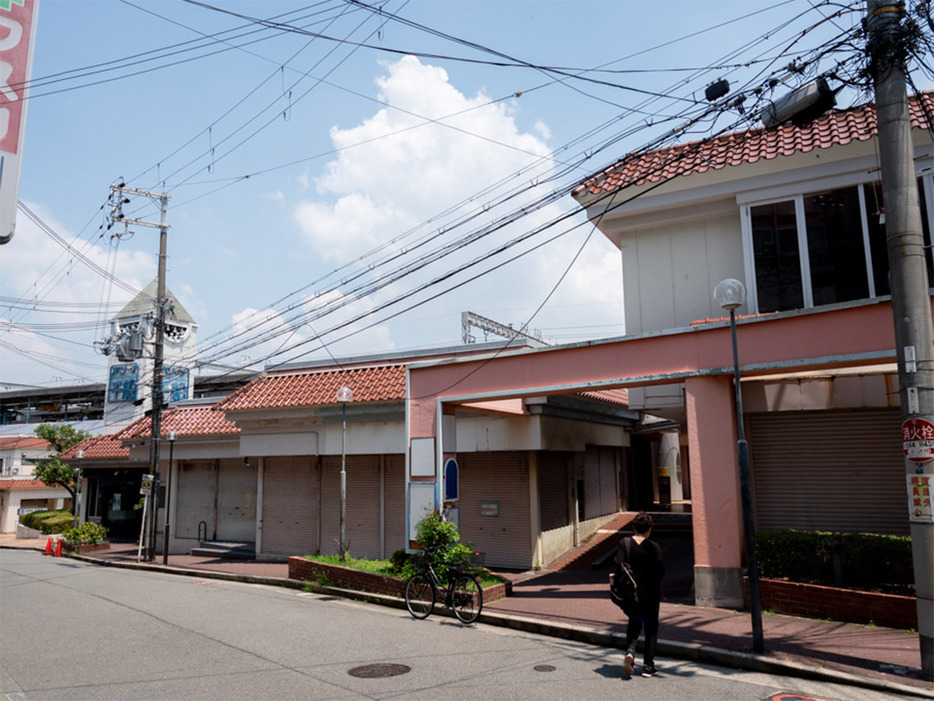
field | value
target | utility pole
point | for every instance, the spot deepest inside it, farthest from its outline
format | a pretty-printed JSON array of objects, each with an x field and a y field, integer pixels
[
  {"x": 911, "y": 303},
  {"x": 119, "y": 193}
]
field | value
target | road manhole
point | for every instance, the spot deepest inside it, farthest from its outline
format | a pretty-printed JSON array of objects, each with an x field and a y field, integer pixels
[
  {"x": 544, "y": 668},
  {"x": 377, "y": 671}
]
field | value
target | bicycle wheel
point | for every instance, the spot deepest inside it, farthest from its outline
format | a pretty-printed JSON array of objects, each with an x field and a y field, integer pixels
[
  {"x": 466, "y": 597},
  {"x": 419, "y": 596}
]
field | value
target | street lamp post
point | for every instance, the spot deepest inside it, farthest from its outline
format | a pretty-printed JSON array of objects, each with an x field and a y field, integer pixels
[
  {"x": 168, "y": 492},
  {"x": 344, "y": 395},
  {"x": 730, "y": 294},
  {"x": 80, "y": 456}
]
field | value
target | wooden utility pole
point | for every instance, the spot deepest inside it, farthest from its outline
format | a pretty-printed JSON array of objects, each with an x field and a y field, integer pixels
[{"x": 911, "y": 302}]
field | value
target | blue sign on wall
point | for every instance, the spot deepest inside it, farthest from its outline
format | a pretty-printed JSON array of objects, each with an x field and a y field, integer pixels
[
  {"x": 450, "y": 480},
  {"x": 175, "y": 384},
  {"x": 123, "y": 383}
]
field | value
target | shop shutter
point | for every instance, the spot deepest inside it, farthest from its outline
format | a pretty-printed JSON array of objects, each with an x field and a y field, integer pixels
[
  {"x": 236, "y": 502},
  {"x": 829, "y": 471},
  {"x": 290, "y": 506},
  {"x": 395, "y": 532},
  {"x": 599, "y": 481},
  {"x": 363, "y": 493},
  {"x": 553, "y": 489},
  {"x": 501, "y": 479},
  {"x": 195, "y": 499}
]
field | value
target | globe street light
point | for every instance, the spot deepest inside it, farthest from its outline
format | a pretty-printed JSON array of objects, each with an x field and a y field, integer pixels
[
  {"x": 344, "y": 395},
  {"x": 168, "y": 492},
  {"x": 80, "y": 456},
  {"x": 730, "y": 294}
]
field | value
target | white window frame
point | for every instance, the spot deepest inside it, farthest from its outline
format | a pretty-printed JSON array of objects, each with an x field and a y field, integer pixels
[{"x": 752, "y": 301}]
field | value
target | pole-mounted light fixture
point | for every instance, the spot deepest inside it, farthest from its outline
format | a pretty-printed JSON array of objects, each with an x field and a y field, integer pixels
[
  {"x": 344, "y": 395},
  {"x": 168, "y": 492},
  {"x": 730, "y": 294},
  {"x": 80, "y": 455}
]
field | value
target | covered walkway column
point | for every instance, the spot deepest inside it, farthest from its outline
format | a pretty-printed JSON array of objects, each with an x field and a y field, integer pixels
[{"x": 717, "y": 508}]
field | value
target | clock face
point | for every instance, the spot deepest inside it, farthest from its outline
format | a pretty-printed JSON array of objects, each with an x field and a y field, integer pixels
[{"x": 123, "y": 383}]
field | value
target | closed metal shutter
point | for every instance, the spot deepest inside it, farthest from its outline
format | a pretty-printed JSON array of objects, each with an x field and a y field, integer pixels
[
  {"x": 236, "y": 502},
  {"x": 500, "y": 479},
  {"x": 290, "y": 506},
  {"x": 599, "y": 481},
  {"x": 829, "y": 471},
  {"x": 395, "y": 533},
  {"x": 195, "y": 499},
  {"x": 362, "y": 509},
  {"x": 553, "y": 490}
]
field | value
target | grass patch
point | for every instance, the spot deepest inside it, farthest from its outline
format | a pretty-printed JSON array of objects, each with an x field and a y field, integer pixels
[{"x": 385, "y": 567}]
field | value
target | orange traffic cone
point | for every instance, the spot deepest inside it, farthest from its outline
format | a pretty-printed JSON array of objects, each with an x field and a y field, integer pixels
[
  {"x": 58, "y": 548},
  {"x": 48, "y": 547}
]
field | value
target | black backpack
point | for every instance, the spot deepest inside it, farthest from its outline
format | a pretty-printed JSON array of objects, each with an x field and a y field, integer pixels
[{"x": 624, "y": 591}]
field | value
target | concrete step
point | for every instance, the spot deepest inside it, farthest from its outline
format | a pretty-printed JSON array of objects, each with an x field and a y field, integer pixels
[{"x": 225, "y": 550}]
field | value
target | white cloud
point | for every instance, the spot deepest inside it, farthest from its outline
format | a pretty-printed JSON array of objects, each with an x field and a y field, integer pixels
[
  {"x": 397, "y": 179},
  {"x": 45, "y": 278}
]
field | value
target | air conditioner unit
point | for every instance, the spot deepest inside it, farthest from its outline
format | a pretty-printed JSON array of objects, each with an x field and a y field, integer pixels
[{"x": 14, "y": 471}]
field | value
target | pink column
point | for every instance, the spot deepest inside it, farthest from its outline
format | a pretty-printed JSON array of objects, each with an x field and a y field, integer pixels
[{"x": 716, "y": 507}]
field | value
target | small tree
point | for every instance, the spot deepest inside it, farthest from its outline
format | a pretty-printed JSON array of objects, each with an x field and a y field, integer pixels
[{"x": 54, "y": 471}]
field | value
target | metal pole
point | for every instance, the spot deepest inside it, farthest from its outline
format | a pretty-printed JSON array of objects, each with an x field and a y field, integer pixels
[
  {"x": 157, "y": 375},
  {"x": 911, "y": 302},
  {"x": 80, "y": 455},
  {"x": 168, "y": 493},
  {"x": 749, "y": 528},
  {"x": 343, "y": 481}
]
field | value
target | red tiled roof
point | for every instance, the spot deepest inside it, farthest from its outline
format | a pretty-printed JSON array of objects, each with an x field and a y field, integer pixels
[
  {"x": 20, "y": 442},
  {"x": 12, "y": 484},
  {"x": 185, "y": 421},
  {"x": 371, "y": 384},
  {"x": 611, "y": 396},
  {"x": 97, "y": 447},
  {"x": 835, "y": 128}
]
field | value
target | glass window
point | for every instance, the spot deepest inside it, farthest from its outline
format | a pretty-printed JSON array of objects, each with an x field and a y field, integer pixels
[
  {"x": 877, "y": 244},
  {"x": 778, "y": 265},
  {"x": 835, "y": 246}
]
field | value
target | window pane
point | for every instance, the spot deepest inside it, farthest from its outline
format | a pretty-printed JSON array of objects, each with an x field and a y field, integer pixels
[
  {"x": 778, "y": 266},
  {"x": 835, "y": 246},
  {"x": 877, "y": 248},
  {"x": 877, "y": 245}
]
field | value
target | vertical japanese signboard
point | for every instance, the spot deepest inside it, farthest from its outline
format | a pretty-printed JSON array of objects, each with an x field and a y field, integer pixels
[{"x": 17, "y": 37}]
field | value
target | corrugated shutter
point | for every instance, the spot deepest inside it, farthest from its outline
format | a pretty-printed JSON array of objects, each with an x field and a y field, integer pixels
[
  {"x": 195, "y": 499},
  {"x": 236, "y": 502},
  {"x": 599, "y": 481},
  {"x": 396, "y": 536},
  {"x": 834, "y": 471},
  {"x": 553, "y": 489},
  {"x": 290, "y": 506},
  {"x": 502, "y": 478},
  {"x": 363, "y": 493}
]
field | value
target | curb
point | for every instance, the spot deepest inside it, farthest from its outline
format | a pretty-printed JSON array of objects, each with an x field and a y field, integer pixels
[{"x": 684, "y": 651}]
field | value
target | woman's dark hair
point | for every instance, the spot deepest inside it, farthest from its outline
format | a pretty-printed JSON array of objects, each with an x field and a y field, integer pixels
[{"x": 642, "y": 523}]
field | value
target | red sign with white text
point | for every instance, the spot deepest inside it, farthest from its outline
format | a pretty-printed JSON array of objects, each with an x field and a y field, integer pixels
[
  {"x": 16, "y": 20},
  {"x": 918, "y": 440}
]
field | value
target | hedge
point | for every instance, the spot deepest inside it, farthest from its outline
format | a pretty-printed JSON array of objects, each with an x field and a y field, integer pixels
[
  {"x": 863, "y": 561},
  {"x": 48, "y": 522}
]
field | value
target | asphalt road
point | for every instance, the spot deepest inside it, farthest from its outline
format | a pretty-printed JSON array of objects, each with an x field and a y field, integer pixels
[{"x": 74, "y": 630}]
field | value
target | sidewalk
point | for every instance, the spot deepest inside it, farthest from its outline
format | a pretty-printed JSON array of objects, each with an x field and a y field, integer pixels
[{"x": 573, "y": 604}]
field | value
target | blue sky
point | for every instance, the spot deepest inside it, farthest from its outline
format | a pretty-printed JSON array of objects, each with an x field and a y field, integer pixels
[{"x": 314, "y": 161}]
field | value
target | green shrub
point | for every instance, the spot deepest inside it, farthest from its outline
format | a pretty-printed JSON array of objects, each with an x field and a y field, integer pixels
[
  {"x": 85, "y": 534},
  {"x": 864, "y": 561},
  {"x": 48, "y": 522},
  {"x": 436, "y": 534}
]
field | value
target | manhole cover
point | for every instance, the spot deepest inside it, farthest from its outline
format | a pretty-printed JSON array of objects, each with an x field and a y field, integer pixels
[
  {"x": 375, "y": 671},
  {"x": 544, "y": 668}
]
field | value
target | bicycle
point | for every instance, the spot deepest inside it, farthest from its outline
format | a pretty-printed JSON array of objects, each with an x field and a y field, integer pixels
[{"x": 461, "y": 592}]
